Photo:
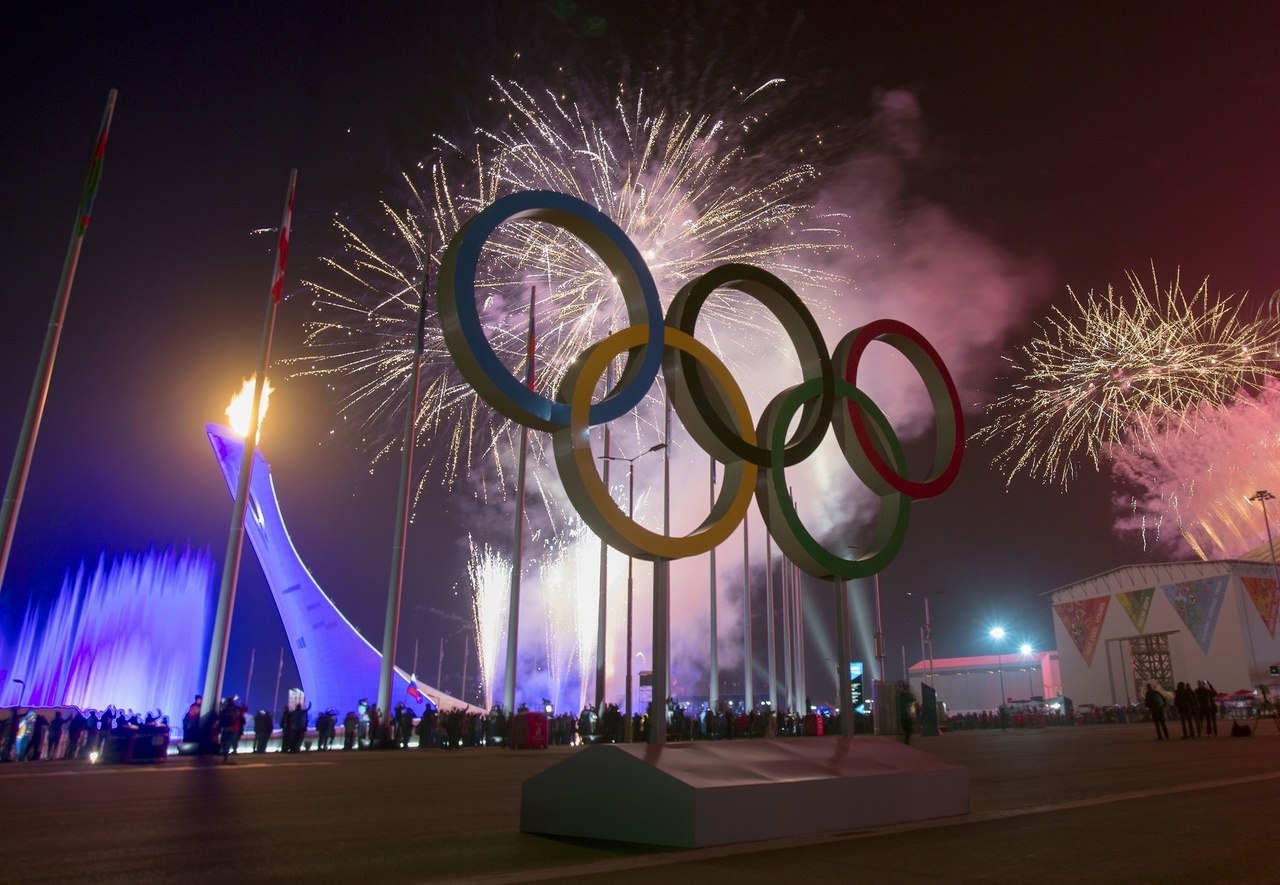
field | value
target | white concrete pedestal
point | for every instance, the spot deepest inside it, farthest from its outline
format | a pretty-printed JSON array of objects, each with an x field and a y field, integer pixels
[{"x": 713, "y": 793}]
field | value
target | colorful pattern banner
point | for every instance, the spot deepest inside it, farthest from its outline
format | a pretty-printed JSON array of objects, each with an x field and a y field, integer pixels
[
  {"x": 1266, "y": 600},
  {"x": 1083, "y": 619},
  {"x": 1198, "y": 604},
  {"x": 1137, "y": 605}
]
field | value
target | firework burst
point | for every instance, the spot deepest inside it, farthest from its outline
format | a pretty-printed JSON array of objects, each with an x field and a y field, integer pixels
[
  {"x": 490, "y": 575},
  {"x": 1120, "y": 372},
  {"x": 684, "y": 186},
  {"x": 1192, "y": 491}
]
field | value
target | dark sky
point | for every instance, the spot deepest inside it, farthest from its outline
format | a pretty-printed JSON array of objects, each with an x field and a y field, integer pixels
[{"x": 1082, "y": 141}]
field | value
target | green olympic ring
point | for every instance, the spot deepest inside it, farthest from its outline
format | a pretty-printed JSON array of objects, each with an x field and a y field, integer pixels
[
  {"x": 780, "y": 514},
  {"x": 706, "y": 397}
]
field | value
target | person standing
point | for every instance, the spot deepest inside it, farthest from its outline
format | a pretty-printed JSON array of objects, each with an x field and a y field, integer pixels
[
  {"x": 55, "y": 736},
  {"x": 228, "y": 727},
  {"x": 1206, "y": 698},
  {"x": 1155, "y": 702},
  {"x": 350, "y": 730},
  {"x": 906, "y": 710},
  {"x": 298, "y": 725},
  {"x": 1184, "y": 700}
]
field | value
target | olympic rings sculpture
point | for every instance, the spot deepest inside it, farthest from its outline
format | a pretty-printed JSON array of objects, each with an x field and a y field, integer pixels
[{"x": 705, "y": 396}]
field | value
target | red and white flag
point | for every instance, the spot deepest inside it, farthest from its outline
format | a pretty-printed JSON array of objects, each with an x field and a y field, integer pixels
[{"x": 282, "y": 248}]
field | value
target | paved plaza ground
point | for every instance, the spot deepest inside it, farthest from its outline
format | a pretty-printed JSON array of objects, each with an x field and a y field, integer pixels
[{"x": 1104, "y": 803}]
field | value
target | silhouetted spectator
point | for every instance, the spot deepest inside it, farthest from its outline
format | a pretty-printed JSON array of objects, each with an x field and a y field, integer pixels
[
  {"x": 1207, "y": 700},
  {"x": 1155, "y": 702},
  {"x": 350, "y": 730}
]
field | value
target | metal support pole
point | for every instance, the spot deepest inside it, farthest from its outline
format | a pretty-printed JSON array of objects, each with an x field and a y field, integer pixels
[{"x": 844, "y": 680}]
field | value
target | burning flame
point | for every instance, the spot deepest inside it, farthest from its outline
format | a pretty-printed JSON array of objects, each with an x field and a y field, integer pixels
[{"x": 238, "y": 412}]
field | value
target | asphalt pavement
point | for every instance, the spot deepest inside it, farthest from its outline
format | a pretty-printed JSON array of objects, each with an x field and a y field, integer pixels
[{"x": 1103, "y": 803}]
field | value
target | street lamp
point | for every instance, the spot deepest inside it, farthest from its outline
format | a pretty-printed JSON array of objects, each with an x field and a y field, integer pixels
[
  {"x": 998, "y": 634},
  {"x": 1263, "y": 496},
  {"x": 1026, "y": 650},
  {"x": 631, "y": 512}
]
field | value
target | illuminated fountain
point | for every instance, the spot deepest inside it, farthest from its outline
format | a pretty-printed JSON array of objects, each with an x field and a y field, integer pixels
[{"x": 133, "y": 635}]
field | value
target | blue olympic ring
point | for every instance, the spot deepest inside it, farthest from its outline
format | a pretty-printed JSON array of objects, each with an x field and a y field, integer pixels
[{"x": 465, "y": 337}]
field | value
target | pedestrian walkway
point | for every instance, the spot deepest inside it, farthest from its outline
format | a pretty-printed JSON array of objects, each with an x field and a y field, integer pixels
[{"x": 1074, "y": 805}]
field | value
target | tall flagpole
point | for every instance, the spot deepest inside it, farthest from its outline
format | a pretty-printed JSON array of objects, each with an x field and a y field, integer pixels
[
  {"x": 395, "y": 587},
  {"x": 787, "y": 681},
  {"x": 235, "y": 537},
  {"x": 769, "y": 624},
  {"x": 713, "y": 679},
  {"x": 248, "y": 682},
  {"x": 517, "y": 559},
  {"x": 275, "y": 704},
  {"x": 748, "y": 663},
  {"x": 802, "y": 682},
  {"x": 44, "y": 372}
]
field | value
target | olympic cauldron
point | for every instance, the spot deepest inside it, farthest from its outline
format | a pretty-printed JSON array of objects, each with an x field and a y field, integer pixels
[{"x": 710, "y": 793}]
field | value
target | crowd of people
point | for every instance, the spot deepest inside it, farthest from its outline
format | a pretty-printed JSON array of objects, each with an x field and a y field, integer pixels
[
  {"x": 1197, "y": 710},
  {"x": 230, "y": 729},
  {"x": 81, "y": 734},
  {"x": 35, "y": 735}
]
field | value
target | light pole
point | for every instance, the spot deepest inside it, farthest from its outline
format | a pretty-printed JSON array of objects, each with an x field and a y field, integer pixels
[
  {"x": 1262, "y": 496},
  {"x": 1026, "y": 650},
  {"x": 998, "y": 634},
  {"x": 631, "y": 512}
]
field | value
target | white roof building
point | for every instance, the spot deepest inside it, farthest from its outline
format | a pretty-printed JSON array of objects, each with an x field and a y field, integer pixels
[{"x": 1168, "y": 623}]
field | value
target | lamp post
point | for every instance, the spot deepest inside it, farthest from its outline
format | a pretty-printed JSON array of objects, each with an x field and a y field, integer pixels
[
  {"x": 998, "y": 634},
  {"x": 631, "y": 512},
  {"x": 1262, "y": 496},
  {"x": 1026, "y": 650}
]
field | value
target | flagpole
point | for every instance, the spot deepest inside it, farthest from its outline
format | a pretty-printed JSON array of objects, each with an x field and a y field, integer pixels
[
  {"x": 713, "y": 678},
  {"x": 513, "y": 601},
  {"x": 248, "y": 682},
  {"x": 275, "y": 703},
  {"x": 235, "y": 537},
  {"x": 769, "y": 624},
  {"x": 748, "y": 691},
  {"x": 25, "y": 450},
  {"x": 395, "y": 587},
  {"x": 788, "y": 659}
]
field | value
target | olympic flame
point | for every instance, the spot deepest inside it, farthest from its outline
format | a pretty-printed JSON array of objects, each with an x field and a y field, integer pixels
[{"x": 240, "y": 408}]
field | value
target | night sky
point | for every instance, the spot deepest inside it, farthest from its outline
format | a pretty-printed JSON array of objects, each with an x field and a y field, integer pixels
[{"x": 1070, "y": 144}]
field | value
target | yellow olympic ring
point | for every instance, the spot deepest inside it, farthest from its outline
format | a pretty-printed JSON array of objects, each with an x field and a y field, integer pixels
[{"x": 587, "y": 491}]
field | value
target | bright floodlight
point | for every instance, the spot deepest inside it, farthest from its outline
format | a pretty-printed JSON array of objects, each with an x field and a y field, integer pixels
[
  {"x": 997, "y": 633},
  {"x": 1026, "y": 648}
]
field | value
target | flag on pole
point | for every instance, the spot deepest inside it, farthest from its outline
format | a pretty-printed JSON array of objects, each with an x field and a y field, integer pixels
[
  {"x": 95, "y": 167},
  {"x": 282, "y": 248}
]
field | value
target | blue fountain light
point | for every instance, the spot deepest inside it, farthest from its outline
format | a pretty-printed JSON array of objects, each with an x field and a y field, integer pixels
[{"x": 134, "y": 635}]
